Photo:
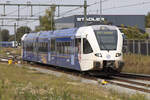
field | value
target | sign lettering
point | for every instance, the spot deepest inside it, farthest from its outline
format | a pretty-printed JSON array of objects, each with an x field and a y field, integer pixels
[{"x": 90, "y": 19}]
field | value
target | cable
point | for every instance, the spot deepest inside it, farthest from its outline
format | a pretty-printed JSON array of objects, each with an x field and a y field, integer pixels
[
  {"x": 70, "y": 10},
  {"x": 142, "y": 3},
  {"x": 14, "y": 11},
  {"x": 64, "y": 13}
]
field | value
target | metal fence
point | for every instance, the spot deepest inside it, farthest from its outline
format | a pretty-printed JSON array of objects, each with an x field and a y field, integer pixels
[{"x": 137, "y": 47}]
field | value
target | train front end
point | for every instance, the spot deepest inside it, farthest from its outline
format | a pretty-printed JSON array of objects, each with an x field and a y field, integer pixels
[{"x": 109, "y": 51}]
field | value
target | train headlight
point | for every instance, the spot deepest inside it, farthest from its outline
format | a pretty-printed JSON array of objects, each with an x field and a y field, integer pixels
[
  {"x": 118, "y": 54},
  {"x": 98, "y": 54}
]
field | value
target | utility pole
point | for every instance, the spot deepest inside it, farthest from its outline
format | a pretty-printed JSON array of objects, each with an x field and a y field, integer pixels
[
  {"x": 100, "y": 10},
  {"x": 52, "y": 16},
  {"x": 85, "y": 12},
  {"x": 15, "y": 33}
]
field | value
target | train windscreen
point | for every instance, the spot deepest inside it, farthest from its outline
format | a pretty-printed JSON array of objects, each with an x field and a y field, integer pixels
[{"x": 107, "y": 39}]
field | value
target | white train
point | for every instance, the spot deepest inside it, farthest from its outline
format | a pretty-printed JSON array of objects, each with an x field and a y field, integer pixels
[{"x": 88, "y": 48}]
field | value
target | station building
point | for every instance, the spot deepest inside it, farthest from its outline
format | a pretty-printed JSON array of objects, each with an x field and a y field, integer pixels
[{"x": 118, "y": 20}]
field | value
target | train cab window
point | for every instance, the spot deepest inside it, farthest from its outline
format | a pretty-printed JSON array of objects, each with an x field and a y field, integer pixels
[{"x": 86, "y": 47}]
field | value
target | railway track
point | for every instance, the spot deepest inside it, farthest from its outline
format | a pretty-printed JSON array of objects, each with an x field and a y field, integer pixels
[
  {"x": 131, "y": 84},
  {"x": 130, "y": 81},
  {"x": 114, "y": 80},
  {"x": 133, "y": 81},
  {"x": 134, "y": 76}
]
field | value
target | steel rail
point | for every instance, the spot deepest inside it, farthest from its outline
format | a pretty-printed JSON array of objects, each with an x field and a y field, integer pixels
[
  {"x": 132, "y": 82},
  {"x": 130, "y": 87},
  {"x": 133, "y": 76}
]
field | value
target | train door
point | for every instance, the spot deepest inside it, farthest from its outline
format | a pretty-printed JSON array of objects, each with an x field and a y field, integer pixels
[{"x": 86, "y": 55}]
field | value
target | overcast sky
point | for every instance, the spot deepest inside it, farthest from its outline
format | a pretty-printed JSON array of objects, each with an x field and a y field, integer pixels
[{"x": 110, "y": 7}]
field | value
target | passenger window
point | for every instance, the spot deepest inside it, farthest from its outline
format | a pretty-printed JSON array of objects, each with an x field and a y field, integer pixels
[
  {"x": 66, "y": 48},
  {"x": 86, "y": 47},
  {"x": 52, "y": 45},
  {"x": 78, "y": 45}
]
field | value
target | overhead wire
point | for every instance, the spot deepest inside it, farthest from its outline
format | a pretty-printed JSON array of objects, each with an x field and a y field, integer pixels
[
  {"x": 131, "y": 5},
  {"x": 64, "y": 13},
  {"x": 61, "y": 14},
  {"x": 15, "y": 11},
  {"x": 71, "y": 9}
]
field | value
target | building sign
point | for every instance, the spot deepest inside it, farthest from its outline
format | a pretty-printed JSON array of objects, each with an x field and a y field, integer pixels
[{"x": 90, "y": 19}]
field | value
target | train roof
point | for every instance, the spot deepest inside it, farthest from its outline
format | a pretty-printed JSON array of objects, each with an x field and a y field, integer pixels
[
  {"x": 104, "y": 27},
  {"x": 29, "y": 36},
  {"x": 63, "y": 32},
  {"x": 44, "y": 34},
  {"x": 66, "y": 32}
]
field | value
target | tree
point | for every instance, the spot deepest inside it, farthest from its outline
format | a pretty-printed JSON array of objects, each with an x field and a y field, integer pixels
[
  {"x": 47, "y": 21},
  {"x": 133, "y": 32},
  {"x": 147, "y": 19},
  {"x": 11, "y": 38},
  {"x": 4, "y": 35},
  {"x": 20, "y": 32}
]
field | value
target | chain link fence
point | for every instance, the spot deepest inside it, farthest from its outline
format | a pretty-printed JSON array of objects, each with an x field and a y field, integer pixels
[{"x": 137, "y": 47}]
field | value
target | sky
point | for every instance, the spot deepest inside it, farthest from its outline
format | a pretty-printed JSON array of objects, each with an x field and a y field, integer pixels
[{"x": 110, "y": 7}]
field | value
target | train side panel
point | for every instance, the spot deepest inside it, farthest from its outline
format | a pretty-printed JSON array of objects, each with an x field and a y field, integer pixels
[
  {"x": 62, "y": 50},
  {"x": 28, "y": 47}
]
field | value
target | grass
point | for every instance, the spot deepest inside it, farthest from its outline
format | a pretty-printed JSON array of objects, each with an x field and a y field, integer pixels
[
  {"x": 19, "y": 83},
  {"x": 137, "y": 64}
]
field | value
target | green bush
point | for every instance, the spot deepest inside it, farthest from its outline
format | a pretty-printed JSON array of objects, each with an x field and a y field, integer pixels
[{"x": 134, "y": 33}]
